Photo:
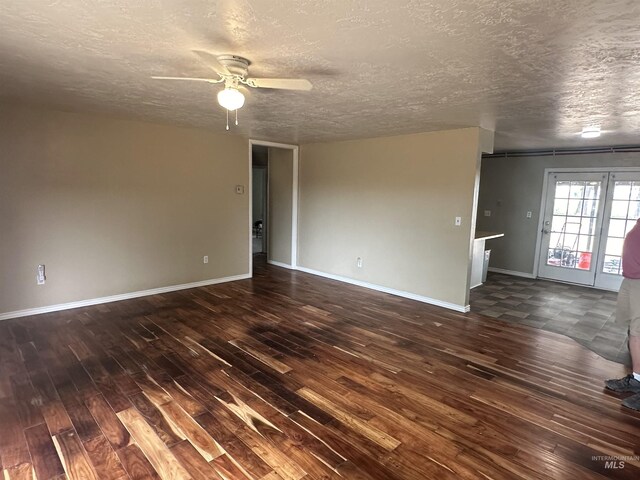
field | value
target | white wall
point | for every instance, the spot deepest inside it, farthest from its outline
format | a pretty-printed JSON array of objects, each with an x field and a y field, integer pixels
[
  {"x": 279, "y": 229},
  {"x": 113, "y": 206},
  {"x": 392, "y": 201}
]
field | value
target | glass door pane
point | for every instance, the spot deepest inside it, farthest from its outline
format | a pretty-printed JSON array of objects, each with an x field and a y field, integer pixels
[
  {"x": 622, "y": 212},
  {"x": 573, "y": 215},
  {"x": 573, "y": 224}
]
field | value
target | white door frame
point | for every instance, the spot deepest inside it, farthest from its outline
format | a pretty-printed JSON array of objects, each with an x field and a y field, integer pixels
[
  {"x": 294, "y": 200},
  {"x": 543, "y": 199}
]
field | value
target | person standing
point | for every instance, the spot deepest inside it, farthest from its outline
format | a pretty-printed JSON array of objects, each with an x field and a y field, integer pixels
[{"x": 628, "y": 313}]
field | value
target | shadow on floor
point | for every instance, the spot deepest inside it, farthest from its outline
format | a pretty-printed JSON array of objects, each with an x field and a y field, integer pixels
[{"x": 585, "y": 314}]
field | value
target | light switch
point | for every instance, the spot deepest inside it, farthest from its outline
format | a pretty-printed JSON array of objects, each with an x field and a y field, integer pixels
[
  {"x": 239, "y": 189},
  {"x": 458, "y": 221},
  {"x": 529, "y": 214},
  {"x": 487, "y": 213}
]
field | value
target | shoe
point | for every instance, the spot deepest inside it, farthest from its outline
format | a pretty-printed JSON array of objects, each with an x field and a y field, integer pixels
[
  {"x": 632, "y": 402},
  {"x": 626, "y": 384}
]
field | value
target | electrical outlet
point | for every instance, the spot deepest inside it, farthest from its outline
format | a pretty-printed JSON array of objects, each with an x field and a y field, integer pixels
[
  {"x": 458, "y": 221},
  {"x": 487, "y": 213},
  {"x": 239, "y": 189},
  {"x": 359, "y": 262},
  {"x": 41, "y": 278},
  {"x": 205, "y": 259},
  {"x": 529, "y": 214}
]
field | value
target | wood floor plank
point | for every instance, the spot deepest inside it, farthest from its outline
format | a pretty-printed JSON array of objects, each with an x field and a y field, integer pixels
[
  {"x": 251, "y": 428},
  {"x": 263, "y": 354},
  {"x": 194, "y": 433},
  {"x": 158, "y": 454},
  {"x": 46, "y": 462},
  {"x": 105, "y": 384},
  {"x": 136, "y": 464},
  {"x": 229, "y": 469},
  {"x": 181, "y": 396},
  {"x": 155, "y": 418},
  {"x": 56, "y": 417},
  {"x": 81, "y": 419},
  {"x": 237, "y": 451},
  {"x": 192, "y": 460},
  {"x": 23, "y": 471},
  {"x": 28, "y": 401},
  {"x": 74, "y": 458},
  {"x": 350, "y": 447},
  {"x": 13, "y": 445},
  {"x": 361, "y": 426},
  {"x": 104, "y": 459},
  {"x": 108, "y": 421},
  {"x": 152, "y": 389}
]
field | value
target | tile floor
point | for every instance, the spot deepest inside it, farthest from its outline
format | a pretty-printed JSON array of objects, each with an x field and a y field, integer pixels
[{"x": 585, "y": 314}]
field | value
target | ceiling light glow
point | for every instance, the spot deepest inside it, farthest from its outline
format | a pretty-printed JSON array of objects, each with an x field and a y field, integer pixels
[
  {"x": 591, "y": 132},
  {"x": 230, "y": 98}
]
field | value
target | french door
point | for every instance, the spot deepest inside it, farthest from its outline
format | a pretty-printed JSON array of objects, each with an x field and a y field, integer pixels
[
  {"x": 622, "y": 210},
  {"x": 572, "y": 222},
  {"x": 586, "y": 218}
]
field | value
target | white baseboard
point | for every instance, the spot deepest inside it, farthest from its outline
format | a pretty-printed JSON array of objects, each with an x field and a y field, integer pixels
[
  {"x": 379, "y": 288},
  {"x": 512, "y": 272},
  {"x": 280, "y": 264},
  {"x": 116, "y": 298}
]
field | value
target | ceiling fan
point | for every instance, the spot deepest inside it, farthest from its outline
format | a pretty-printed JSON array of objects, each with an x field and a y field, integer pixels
[{"x": 232, "y": 70}]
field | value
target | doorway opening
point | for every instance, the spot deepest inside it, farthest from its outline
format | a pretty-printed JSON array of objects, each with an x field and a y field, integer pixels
[
  {"x": 586, "y": 215},
  {"x": 259, "y": 200},
  {"x": 274, "y": 204}
]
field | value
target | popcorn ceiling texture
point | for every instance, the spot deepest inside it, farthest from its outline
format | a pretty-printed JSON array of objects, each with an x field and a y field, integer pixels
[{"x": 536, "y": 72}]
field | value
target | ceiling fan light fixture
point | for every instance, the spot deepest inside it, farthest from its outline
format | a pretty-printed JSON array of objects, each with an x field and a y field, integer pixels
[
  {"x": 591, "y": 132},
  {"x": 230, "y": 98}
]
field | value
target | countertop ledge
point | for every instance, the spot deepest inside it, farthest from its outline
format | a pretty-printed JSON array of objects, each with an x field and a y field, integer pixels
[{"x": 487, "y": 235}]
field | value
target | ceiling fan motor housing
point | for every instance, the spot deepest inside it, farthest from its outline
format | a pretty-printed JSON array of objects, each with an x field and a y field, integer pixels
[{"x": 235, "y": 65}]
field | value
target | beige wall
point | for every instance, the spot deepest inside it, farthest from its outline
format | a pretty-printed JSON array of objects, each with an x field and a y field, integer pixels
[
  {"x": 392, "y": 201},
  {"x": 114, "y": 206},
  {"x": 511, "y": 186},
  {"x": 280, "y": 196}
]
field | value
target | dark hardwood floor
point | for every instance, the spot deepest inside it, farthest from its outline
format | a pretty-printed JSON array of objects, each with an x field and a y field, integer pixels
[{"x": 290, "y": 376}]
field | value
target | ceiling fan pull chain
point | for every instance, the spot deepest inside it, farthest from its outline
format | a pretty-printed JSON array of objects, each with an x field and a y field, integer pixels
[
  {"x": 227, "y": 119},
  {"x": 236, "y": 117}
]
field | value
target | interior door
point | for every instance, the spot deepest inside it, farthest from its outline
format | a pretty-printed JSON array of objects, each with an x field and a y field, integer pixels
[
  {"x": 621, "y": 213},
  {"x": 573, "y": 216}
]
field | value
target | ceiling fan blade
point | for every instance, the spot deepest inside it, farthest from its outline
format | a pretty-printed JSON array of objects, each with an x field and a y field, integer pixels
[
  {"x": 282, "y": 83},
  {"x": 190, "y": 79},
  {"x": 211, "y": 61}
]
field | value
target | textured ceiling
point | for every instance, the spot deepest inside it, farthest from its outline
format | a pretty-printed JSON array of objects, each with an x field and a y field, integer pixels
[{"x": 535, "y": 71}]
